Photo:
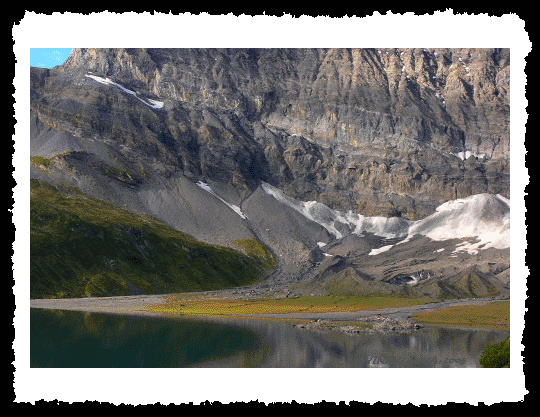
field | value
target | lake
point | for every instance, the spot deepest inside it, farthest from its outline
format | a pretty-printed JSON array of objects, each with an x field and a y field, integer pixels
[{"x": 73, "y": 339}]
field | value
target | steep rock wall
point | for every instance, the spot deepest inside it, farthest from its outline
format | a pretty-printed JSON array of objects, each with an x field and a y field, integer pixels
[
  {"x": 455, "y": 99},
  {"x": 369, "y": 130}
]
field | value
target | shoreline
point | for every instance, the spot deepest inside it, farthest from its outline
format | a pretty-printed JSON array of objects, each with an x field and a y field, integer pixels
[{"x": 137, "y": 304}]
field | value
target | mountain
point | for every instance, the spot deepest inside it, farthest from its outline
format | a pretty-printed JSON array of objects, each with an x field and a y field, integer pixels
[
  {"x": 368, "y": 155},
  {"x": 465, "y": 240}
]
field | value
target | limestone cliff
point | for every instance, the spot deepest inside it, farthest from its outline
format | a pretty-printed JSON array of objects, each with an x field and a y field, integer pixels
[{"x": 377, "y": 131}]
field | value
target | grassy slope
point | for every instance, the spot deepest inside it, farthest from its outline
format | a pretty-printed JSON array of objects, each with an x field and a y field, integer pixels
[
  {"x": 254, "y": 249},
  {"x": 494, "y": 315},
  {"x": 81, "y": 246}
]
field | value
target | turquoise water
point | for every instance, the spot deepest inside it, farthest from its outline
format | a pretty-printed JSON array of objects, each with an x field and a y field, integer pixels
[
  {"x": 69, "y": 339},
  {"x": 72, "y": 339}
]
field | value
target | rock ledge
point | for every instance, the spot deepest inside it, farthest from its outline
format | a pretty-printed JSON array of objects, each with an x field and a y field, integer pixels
[{"x": 379, "y": 324}]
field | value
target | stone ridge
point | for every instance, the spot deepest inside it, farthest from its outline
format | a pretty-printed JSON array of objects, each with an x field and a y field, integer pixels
[{"x": 453, "y": 99}]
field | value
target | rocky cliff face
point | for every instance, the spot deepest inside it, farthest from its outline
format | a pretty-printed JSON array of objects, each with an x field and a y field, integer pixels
[
  {"x": 457, "y": 99},
  {"x": 369, "y": 130}
]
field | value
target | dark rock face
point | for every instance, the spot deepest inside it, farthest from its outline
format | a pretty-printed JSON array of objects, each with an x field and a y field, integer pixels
[{"x": 373, "y": 131}]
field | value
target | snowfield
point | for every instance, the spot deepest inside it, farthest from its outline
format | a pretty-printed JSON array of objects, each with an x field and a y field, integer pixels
[
  {"x": 107, "y": 81},
  {"x": 389, "y": 227},
  {"x": 465, "y": 155},
  {"x": 380, "y": 250},
  {"x": 483, "y": 217}
]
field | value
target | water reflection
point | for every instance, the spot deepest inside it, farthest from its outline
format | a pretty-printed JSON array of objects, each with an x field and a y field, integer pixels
[
  {"x": 76, "y": 339},
  {"x": 85, "y": 340}
]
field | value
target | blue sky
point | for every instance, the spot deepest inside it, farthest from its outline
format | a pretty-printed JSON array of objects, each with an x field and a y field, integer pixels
[{"x": 48, "y": 57}]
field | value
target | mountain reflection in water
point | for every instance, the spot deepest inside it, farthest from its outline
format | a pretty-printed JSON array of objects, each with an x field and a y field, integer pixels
[{"x": 72, "y": 339}]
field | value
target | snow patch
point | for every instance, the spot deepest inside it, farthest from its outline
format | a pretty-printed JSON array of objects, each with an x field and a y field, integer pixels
[
  {"x": 380, "y": 250},
  {"x": 483, "y": 220},
  {"x": 465, "y": 155},
  {"x": 236, "y": 209},
  {"x": 483, "y": 217},
  {"x": 389, "y": 227},
  {"x": 107, "y": 81}
]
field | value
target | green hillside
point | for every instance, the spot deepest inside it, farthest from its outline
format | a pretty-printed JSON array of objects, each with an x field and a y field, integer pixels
[{"x": 81, "y": 247}]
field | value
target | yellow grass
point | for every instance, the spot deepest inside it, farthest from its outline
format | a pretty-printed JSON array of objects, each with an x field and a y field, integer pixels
[
  {"x": 492, "y": 316},
  {"x": 198, "y": 306}
]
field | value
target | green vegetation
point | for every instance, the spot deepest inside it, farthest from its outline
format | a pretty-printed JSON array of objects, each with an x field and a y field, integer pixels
[
  {"x": 43, "y": 164},
  {"x": 121, "y": 174},
  {"x": 494, "y": 315},
  {"x": 185, "y": 304},
  {"x": 496, "y": 355},
  {"x": 256, "y": 250},
  {"x": 40, "y": 162},
  {"x": 81, "y": 246}
]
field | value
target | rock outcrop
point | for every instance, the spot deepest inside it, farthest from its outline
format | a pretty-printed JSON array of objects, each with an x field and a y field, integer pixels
[{"x": 372, "y": 324}]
